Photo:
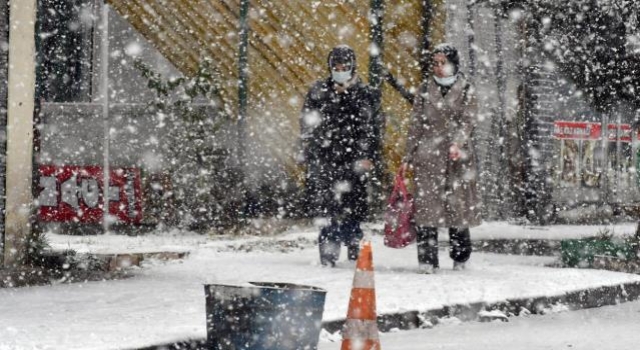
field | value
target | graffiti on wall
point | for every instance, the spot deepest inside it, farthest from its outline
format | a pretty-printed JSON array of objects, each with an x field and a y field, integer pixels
[{"x": 75, "y": 194}]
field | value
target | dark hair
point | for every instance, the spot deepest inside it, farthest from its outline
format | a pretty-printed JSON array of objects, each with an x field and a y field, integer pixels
[
  {"x": 450, "y": 52},
  {"x": 342, "y": 54}
]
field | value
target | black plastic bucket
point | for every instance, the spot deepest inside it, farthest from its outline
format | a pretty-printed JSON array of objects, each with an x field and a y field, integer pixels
[{"x": 263, "y": 316}]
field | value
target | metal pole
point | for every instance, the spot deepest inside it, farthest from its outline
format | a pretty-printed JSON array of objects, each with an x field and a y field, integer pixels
[
  {"x": 104, "y": 61},
  {"x": 618, "y": 168},
  {"x": 605, "y": 157},
  {"x": 425, "y": 49},
  {"x": 376, "y": 50},
  {"x": 399, "y": 87},
  {"x": 634, "y": 154},
  {"x": 503, "y": 192},
  {"x": 376, "y": 34},
  {"x": 471, "y": 38},
  {"x": 524, "y": 140},
  {"x": 243, "y": 87},
  {"x": 243, "y": 77}
]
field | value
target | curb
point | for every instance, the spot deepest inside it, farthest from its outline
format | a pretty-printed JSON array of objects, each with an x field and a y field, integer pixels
[
  {"x": 66, "y": 265},
  {"x": 115, "y": 262},
  {"x": 536, "y": 247},
  {"x": 23, "y": 277},
  {"x": 575, "y": 300}
]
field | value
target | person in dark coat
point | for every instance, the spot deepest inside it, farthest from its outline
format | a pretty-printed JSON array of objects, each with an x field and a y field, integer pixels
[
  {"x": 441, "y": 152},
  {"x": 336, "y": 131}
]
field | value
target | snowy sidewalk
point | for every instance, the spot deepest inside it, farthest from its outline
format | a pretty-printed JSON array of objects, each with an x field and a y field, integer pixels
[{"x": 164, "y": 301}]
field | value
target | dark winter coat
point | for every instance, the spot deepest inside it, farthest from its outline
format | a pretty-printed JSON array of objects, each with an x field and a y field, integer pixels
[
  {"x": 336, "y": 131},
  {"x": 445, "y": 190}
]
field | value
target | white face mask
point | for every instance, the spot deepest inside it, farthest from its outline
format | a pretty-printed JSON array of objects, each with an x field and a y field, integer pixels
[
  {"x": 341, "y": 77},
  {"x": 448, "y": 70},
  {"x": 448, "y": 81}
]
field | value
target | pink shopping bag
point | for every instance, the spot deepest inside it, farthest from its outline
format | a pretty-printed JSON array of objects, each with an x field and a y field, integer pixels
[{"x": 399, "y": 231}]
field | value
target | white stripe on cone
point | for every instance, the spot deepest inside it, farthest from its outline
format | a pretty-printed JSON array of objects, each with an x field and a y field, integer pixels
[
  {"x": 363, "y": 279},
  {"x": 360, "y": 329}
]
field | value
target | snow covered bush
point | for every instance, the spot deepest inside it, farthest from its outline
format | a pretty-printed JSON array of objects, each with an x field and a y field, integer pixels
[{"x": 206, "y": 193}]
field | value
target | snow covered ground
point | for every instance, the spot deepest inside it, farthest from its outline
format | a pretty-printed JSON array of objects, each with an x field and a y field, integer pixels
[
  {"x": 609, "y": 327},
  {"x": 164, "y": 302}
]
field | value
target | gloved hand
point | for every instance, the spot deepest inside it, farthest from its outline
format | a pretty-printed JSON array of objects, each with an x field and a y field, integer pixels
[{"x": 454, "y": 151}]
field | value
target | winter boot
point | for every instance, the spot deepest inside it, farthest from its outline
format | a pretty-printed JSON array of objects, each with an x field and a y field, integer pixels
[
  {"x": 426, "y": 269},
  {"x": 352, "y": 252},
  {"x": 351, "y": 234},
  {"x": 459, "y": 244},
  {"x": 329, "y": 246},
  {"x": 329, "y": 253},
  {"x": 459, "y": 266},
  {"x": 427, "y": 243}
]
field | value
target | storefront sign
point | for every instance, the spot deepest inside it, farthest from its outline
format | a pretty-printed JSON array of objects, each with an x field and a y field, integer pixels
[
  {"x": 566, "y": 130},
  {"x": 576, "y": 130},
  {"x": 583, "y": 157},
  {"x": 75, "y": 194}
]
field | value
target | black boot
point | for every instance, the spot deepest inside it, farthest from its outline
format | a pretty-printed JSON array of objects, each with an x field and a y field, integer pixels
[
  {"x": 427, "y": 242},
  {"x": 460, "y": 242},
  {"x": 329, "y": 246},
  {"x": 351, "y": 234}
]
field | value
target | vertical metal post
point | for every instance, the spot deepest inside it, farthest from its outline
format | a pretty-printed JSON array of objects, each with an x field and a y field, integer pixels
[
  {"x": 503, "y": 164},
  {"x": 243, "y": 79},
  {"x": 243, "y": 93},
  {"x": 618, "y": 168},
  {"x": 524, "y": 185},
  {"x": 605, "y": 157},
  {"x": 376, "y": 34},
  {"x": 471, "y": 39},
  {"x": 425, "y": 47},
  {"x": 635, "y": 127},
  {"x": 529, "y": 187},
  {"x": 104, "y": 58}
]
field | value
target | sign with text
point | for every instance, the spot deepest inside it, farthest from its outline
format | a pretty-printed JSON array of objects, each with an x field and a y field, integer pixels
[
  {"x": 586, "y": 152},
  {"x": 75, "y": 194},
  {"x": 567, "y": 130}
]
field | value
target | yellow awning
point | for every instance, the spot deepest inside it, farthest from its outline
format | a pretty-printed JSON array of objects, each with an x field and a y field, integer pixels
[{"x": 288, "y": 45}]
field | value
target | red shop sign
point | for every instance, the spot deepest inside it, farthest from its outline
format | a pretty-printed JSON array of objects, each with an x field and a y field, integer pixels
[
  {"x": 576, "y": 130},
  {"x": 568, "y": 130},
  {"x": 623, "y": 129},
  {"x": 74, "y": 194}
]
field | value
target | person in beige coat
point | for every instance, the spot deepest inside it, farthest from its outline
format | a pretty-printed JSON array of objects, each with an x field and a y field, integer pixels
[{"x": 441, "y": 152}]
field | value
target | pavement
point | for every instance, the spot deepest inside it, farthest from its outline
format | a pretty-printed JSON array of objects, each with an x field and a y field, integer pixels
[{"x": 161, "y": 304}]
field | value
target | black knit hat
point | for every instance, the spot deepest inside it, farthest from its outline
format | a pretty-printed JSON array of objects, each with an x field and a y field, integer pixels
[
  {"x": 342, "y": 54},
  {"x": 451, "y": 52}
]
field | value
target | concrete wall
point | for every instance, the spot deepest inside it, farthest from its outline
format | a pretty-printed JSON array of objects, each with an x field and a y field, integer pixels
[{"x": 73, "y": 135}]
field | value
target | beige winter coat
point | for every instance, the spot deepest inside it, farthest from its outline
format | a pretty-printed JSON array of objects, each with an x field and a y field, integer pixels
[{"x": 445, "y": 190}]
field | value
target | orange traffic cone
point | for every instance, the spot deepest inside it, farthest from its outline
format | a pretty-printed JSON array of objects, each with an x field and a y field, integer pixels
[{"x": 360, "y": 331}]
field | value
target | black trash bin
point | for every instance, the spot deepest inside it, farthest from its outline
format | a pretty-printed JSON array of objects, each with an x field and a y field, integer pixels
[{"x": 263, "y": 316}]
